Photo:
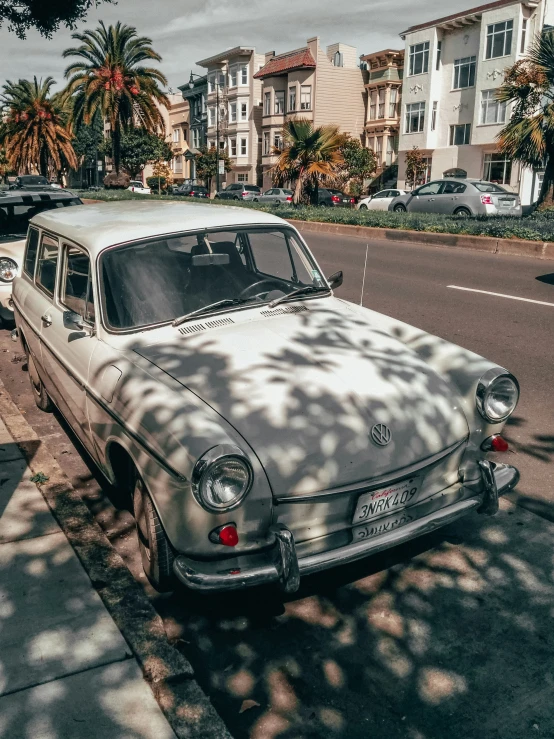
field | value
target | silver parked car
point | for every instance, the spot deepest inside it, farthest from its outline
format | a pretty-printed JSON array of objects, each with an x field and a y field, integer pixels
[
  {"x": 262, "y": 428},
  {"x": 459, "y": 198},
  {"x": 238, "y": 191},
  {"x": 275, "y": 195}
]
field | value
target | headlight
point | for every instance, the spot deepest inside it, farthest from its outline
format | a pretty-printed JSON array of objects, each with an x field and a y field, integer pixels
[
  {"x": 497, "y": 395},
  {"x": 221, "y": 478},
  {"x": 8, "y": 269}
]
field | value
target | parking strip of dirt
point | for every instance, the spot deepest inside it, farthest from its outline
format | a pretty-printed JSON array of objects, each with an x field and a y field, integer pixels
[{"x": 169, "y": 674}]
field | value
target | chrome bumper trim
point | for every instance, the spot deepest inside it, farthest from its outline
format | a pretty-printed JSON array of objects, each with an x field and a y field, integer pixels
[{"x": 281, "y": 564}]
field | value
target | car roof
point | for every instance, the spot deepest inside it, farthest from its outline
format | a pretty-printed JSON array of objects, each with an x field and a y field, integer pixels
[
  {"x": 30, "y": 197},
  {"x": 100, "y": 225}
]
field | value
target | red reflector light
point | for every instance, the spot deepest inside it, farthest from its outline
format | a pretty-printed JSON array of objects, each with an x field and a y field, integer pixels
[
  {"x": 192, "y": 192},
  {"x": 335, "y": 199},
  {"x": 352, "y": 200},
  {"x": 498, "y": 444},
  {"x": 289, "y": 199},
  {"x": 486, "y": 200},
  {"x": 228, "y": 536}
]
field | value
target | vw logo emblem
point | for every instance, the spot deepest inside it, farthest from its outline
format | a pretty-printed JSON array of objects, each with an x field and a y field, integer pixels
[{"x": 381, "y": 434}]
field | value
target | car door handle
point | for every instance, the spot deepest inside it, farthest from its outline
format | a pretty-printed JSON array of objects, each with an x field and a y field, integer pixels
[{"x": 46, "y": 319}]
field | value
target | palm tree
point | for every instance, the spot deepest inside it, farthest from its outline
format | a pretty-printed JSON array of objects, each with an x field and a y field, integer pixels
[
  {"x": 109, "y": 77},
  {"x": 35, "y": 131},
  {"x": 529, "y": 135},
  {"x": 308, "y": 154}
]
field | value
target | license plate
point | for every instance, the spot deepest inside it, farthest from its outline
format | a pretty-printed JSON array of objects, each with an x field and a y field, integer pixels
[
  {"x": 382, "y": 526},
  {"x": 508, "y": 203},
  {"x": 386, "y": 500}
]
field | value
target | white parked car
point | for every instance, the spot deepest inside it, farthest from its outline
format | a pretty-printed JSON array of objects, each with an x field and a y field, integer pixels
[
  {"x": 262, "y": 427},
  {"x": 16, "y": 208},
  {"x": 138, "y": 187},
  {"x": 380, "y": 201}
]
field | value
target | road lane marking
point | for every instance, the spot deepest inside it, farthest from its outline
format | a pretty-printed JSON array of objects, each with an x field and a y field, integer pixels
[{"x": 500, "y": 295}]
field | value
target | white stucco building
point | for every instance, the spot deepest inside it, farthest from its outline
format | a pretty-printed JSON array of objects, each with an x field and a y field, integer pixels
[{"x": 453, "y": 67}]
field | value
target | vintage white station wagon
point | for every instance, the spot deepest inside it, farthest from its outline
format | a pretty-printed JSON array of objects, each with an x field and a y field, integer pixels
[{"x": 265, "y": 428}]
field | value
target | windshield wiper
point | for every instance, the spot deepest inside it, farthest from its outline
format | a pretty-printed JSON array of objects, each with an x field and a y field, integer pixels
[
  {"x": 206, "y": 308},
  {"x": 298, "y": 291}
]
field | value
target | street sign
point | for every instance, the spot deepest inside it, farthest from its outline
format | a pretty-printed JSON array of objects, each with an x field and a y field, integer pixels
[{"x": 221, "y": 164}]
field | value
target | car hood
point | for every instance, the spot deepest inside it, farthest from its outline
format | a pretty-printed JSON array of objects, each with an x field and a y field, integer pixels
[
  {"x": 12, "y": 247},
  {"x": 306, "y": 389}
]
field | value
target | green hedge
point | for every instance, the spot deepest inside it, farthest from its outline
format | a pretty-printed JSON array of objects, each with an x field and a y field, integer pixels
[{"x": 536, "y": 227}]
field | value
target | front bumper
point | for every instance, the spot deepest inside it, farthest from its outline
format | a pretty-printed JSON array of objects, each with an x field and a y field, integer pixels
[
  {"x": 6, "y": 305},
  {"x": 280, "y": 563}
]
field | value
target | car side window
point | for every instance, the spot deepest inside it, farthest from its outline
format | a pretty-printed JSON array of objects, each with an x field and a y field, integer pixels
[
  {"x": 453, "y": 188},
  {"x": 433, "y": 188},
  {"x": 76, "y": 289},
  {"x": 382, "y": 194},
  {"x": 47, "y": 264},
  {"x": 394, "y": 194},
  {"x": 31, "y": 253}
]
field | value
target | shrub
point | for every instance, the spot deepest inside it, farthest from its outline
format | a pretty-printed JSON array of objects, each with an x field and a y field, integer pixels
[{"x": 152, "y": 183}]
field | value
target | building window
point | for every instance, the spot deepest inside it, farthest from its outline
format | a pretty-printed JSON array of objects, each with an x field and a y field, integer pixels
[
  {"x": 232, "y": 76},
  {"x": 492, "y": 110},
  {"x": 415, "y": 117},
  {"x": 338, "y": 60},
  {"x": 195, "y": 138},
  {"x": 379, "y": 150},
  {"x": 178, "y": 164},
  {"x": 460, "y": 135},
  {"x": 242, "y": 178},
  {"x": 434, "y": 115},
  {"x": 278, "y": 141},
  {"x": 292, "y": 99},
  {"x": 176, "y": 135},
  {"x": 392, "y": 149},
  {"x": 464, "y": 72},
  {"x": 499, "y": 39},
  {"x": 244, "y": 74},
  {"x": 266, "y": 143},
  {"x": 439, "y": 54},
  {"x": 244, "y": 111},
  {"x": 232, "y": 112},
  {"x": 419, "y": 58},
  {"x": 267, "y": 103},
  {"x": 373, "y": 105},
  {"x": 498, "y": 169},
  {"x": 279, "y": 102},
  {"x": 243, "y": 147},
  {"x": 306, "y": 97},
  {"x": 233, "y": 146},
  {"x": 211, "y": 83},
  {"x": 211, "y": 116},
  {"x": 393, "y": 101},
  {"x": 382, "y": 103}
]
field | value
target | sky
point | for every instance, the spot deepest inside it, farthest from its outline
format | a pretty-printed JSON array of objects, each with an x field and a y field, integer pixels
[{"x": 185, "y": 31}]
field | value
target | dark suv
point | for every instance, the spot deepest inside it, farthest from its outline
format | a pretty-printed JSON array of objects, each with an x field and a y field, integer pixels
[
  {"x": 239, "y": 191},
  {"x": 192, "y": 191},
  {"x": 34, "y": 182}
]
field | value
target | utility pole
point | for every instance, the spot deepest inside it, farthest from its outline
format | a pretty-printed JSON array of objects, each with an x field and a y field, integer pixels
[{"x": 217, "y": 132}]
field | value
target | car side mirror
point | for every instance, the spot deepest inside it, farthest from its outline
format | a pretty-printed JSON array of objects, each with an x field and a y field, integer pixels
[
  {"x": 335, "y": 280},
  {"x": 75, "y": 321}
]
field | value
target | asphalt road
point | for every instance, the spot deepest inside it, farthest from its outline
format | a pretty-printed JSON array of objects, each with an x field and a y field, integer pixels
[{"x": 449, "y": 635}]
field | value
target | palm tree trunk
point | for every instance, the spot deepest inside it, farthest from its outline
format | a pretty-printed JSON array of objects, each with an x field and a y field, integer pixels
[
  {"x": 298, "y": 187},
  {"x": 116, "y": 146},
  {"x": 43, "y": 162},
  {"x": 548, "y": 181}
]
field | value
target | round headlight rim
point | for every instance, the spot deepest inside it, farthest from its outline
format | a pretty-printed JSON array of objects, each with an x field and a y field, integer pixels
[
  {"x": 15, "y": 270},
  {"x": 206, "y": 461},
  {"x": 484, "y": 386}
]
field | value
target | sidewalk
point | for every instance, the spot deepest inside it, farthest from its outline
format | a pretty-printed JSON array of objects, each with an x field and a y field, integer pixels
[{"x": 65, "y": 669}]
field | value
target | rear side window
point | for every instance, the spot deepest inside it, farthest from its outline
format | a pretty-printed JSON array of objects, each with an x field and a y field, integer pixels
[
  {"x": 251, "y": 188},
  {"x": 488, "y": 187},
  {"x": 31, "y": 252},
  {"x": 47, "y": 264}
]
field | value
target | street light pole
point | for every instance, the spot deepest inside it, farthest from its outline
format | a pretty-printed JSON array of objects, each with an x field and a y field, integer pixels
[{"x": 217, "y": 132}]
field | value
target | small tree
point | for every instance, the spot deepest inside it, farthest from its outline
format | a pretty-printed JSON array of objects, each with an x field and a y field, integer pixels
[
  {"x": 206, "y": 163},
  {"x": 359, "y": 164},
  {"x": 140, "y": 147},
  {"x": 415, "y": 167},
  {"x": 161, "y": 175}
]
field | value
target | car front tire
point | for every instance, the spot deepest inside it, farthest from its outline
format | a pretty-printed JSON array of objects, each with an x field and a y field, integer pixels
[
  {"x": 399, "y": 208},
  {"x": 155, "y": 550}
]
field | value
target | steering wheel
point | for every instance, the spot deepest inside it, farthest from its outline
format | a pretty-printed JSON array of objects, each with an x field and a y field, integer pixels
[{"x": 248, "y": 292}]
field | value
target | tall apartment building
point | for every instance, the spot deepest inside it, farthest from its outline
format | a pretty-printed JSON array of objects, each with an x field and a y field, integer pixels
[
  {"x": 454, "y": 65},
  {"x": 232, "y": 82},
  {"x": 383, "y": 104},
  {"x": 196, "y": 96},
  {"x": 177, "y": 134},
  {"x": 323, "y": 85}
]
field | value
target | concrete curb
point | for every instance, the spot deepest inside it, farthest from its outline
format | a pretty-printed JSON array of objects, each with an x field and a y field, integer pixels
[
  {"x": 170, "y": 676},
  {"x": 512, "y": 247}
]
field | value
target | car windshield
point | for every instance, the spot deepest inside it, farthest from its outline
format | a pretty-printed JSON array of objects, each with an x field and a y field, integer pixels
[
  {"x": 33, "y": 180},
  {"x": 14, "y": 218},
  {"x": 160, "y": 280},
  {"x": 488, "y": 187}
]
